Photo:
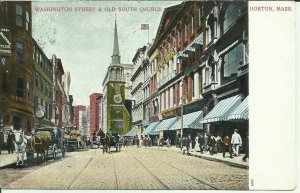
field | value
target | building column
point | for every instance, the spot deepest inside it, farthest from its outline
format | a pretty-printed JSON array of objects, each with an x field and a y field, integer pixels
[
  {"x": 167, "y": 99},
  {"x": 171, "y": 97},
  {"x": 190, "y": 89},
  {"x": 162, "y": 101},
  {"x": 196, "y": 85},
  {"x": 180, "y": 92}
]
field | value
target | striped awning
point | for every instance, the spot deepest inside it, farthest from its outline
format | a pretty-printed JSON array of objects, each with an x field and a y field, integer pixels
[
  {"x": 191, "y": 120},
  {"x": 198, "y": 41},
  {"x": 131, "y": 133},
  {"x": 154, "y": 131},
  {"x": 241, "y": 112},
  {"x": 221, "y": 111},
  {"x": 150, "y": 127},
  {"x": 166, "y": 124}
]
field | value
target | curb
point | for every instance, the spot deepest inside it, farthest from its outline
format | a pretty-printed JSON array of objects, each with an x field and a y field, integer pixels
[
  {"x": 222, "y": 161},
  {"x": 208, "y": 158},
  {"x": 8, "y": 165}
]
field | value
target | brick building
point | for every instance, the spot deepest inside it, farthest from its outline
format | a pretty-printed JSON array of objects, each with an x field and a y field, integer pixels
[
  {"x": 16, "y": 66},
  {"x": 42, "y": 88},
  {"x": 95, "y": 100},
  {"x": 77, "y": 110},
  {"x": 200, "y": 52}
]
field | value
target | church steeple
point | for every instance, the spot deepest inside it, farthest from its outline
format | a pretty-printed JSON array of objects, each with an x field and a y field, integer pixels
[{"x": 116, "y": 55}]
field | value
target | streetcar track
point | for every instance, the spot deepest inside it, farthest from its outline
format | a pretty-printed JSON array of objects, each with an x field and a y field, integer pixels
[
  {"x": 197, "y": 179},
  {"x": 82, "y": 170},
  {"x": 152, "y": 174},
  {"x": 115, "y": 171}
]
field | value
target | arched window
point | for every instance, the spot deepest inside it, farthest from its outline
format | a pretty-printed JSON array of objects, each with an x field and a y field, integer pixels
[
  {"x": 211, "y": 22},
  {"x": 233, "y": 11},
  {"x": 118, "y": 73}
]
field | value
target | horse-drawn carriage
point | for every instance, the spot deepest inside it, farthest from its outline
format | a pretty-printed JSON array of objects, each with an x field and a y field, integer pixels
[
  {"x": 46, "y": 141},
  {"x": 109, "y": 140}
]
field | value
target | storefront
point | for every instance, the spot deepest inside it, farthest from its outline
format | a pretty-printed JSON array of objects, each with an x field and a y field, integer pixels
[
  {"x": 191, "y": 124},
  {"x": 227, "y": 115},
  {"x": 164, "y": 128}
]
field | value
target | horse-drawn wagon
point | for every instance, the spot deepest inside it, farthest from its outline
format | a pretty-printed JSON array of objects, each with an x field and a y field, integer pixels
[
  {"x": 46, "y": 141},
  {"x": 73, "y": 140}
]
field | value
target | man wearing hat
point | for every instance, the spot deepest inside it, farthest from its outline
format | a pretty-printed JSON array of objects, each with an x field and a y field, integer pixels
[{"x": 236, "y": 142}]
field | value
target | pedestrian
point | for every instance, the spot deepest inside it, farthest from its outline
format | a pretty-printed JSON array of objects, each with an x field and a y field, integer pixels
[
  {"x": 176, "y": 141},
  {"x": 10, "y": 141},
  {"x": 189, "y": 142},
  {"x": 201, "y": 142},
  {"x": 206, "y": 139},
  {"x": 246, "y": 148},
  {"x": 236, "y": 142},
  {"x": 227, "y": 145},
  {"x": 212, "y": 143},
  {"x": 137, "y": 141},
  {"x": 219, "y": 144},
  {"x": 186, "y": 143},
  {"x": 193, "y": 142},
  {"x": 126, "y": 142}
]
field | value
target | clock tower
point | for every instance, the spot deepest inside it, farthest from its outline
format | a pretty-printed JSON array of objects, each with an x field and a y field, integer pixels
[{"x": 116, "y": 117}]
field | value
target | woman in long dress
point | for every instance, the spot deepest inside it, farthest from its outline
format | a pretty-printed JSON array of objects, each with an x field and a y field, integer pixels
[{"x": 197, "y": 147}]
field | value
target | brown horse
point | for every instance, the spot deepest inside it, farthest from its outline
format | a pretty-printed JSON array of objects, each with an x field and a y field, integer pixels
[
  {"x": 105, "y": 141},
  {"x": 38, "y": 144}
]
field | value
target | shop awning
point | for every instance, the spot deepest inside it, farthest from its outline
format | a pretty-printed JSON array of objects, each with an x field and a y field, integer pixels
[
  {"x": 150, "y": 127},
  {"x": 166, "y": 124},
  {"x": 241, "y": 112},
  {"x": 131, "y": 133},
  {"x": 191, "y": 120},
  {"x": 221, "y": 111},
  {"x": 154, "y": 131}
]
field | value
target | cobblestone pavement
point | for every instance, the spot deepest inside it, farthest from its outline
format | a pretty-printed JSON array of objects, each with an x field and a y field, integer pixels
[{"x": 132, "y": 168}]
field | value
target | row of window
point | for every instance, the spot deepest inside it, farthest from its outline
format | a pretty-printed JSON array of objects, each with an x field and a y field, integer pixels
[
  {"x": 42, "y": 62},
  {"x": 43, "y": 85},
  {"x": 22, "y": 17}
]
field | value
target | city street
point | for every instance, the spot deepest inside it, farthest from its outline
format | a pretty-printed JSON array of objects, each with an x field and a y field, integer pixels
[{"x": 132, "y": 168}]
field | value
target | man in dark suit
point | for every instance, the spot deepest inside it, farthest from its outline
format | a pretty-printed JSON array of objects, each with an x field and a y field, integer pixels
[{"x": 10, "y": 142}]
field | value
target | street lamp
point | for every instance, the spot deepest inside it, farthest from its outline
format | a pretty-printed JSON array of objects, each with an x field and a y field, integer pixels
[{"x": 183, "y": 97}]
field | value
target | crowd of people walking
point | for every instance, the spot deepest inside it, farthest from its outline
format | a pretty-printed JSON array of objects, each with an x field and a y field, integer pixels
[{"x": 206, "y": 143}]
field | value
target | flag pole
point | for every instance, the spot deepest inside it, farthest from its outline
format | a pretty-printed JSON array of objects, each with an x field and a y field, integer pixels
[{"x": 148, "y": 34}]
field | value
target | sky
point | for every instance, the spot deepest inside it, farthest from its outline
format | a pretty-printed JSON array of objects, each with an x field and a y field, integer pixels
[{"x": 83, "y": 40}]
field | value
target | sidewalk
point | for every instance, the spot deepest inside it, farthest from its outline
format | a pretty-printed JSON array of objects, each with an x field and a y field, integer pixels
[
  {"x": 236, "y": 161},
  {"x": 8, "y": 159}
]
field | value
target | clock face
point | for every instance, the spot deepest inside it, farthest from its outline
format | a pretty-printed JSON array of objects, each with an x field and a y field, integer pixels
[{"x": 117, "y": 98}]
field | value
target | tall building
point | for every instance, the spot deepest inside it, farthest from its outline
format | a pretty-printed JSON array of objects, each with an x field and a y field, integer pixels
[
  {"x": 77, "y": 110},
  {"x": 200, "y": 55},
  {"x": 42, "y": 88},
  {"x": 100, "y": 113},
  {"x": 94, "y": 113},
  {"x": 66, "y": 108},
  {"x": 58, "y": 91},
  {"x": 16, "y": 69},
  {"x": 116, "y": 117}
]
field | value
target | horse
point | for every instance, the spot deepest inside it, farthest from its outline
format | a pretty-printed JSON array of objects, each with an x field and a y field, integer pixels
[
  {"x": 39, "y": 144},
  {"x": 20, "y": 145},
  {"x": 105, "y": 141}
]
